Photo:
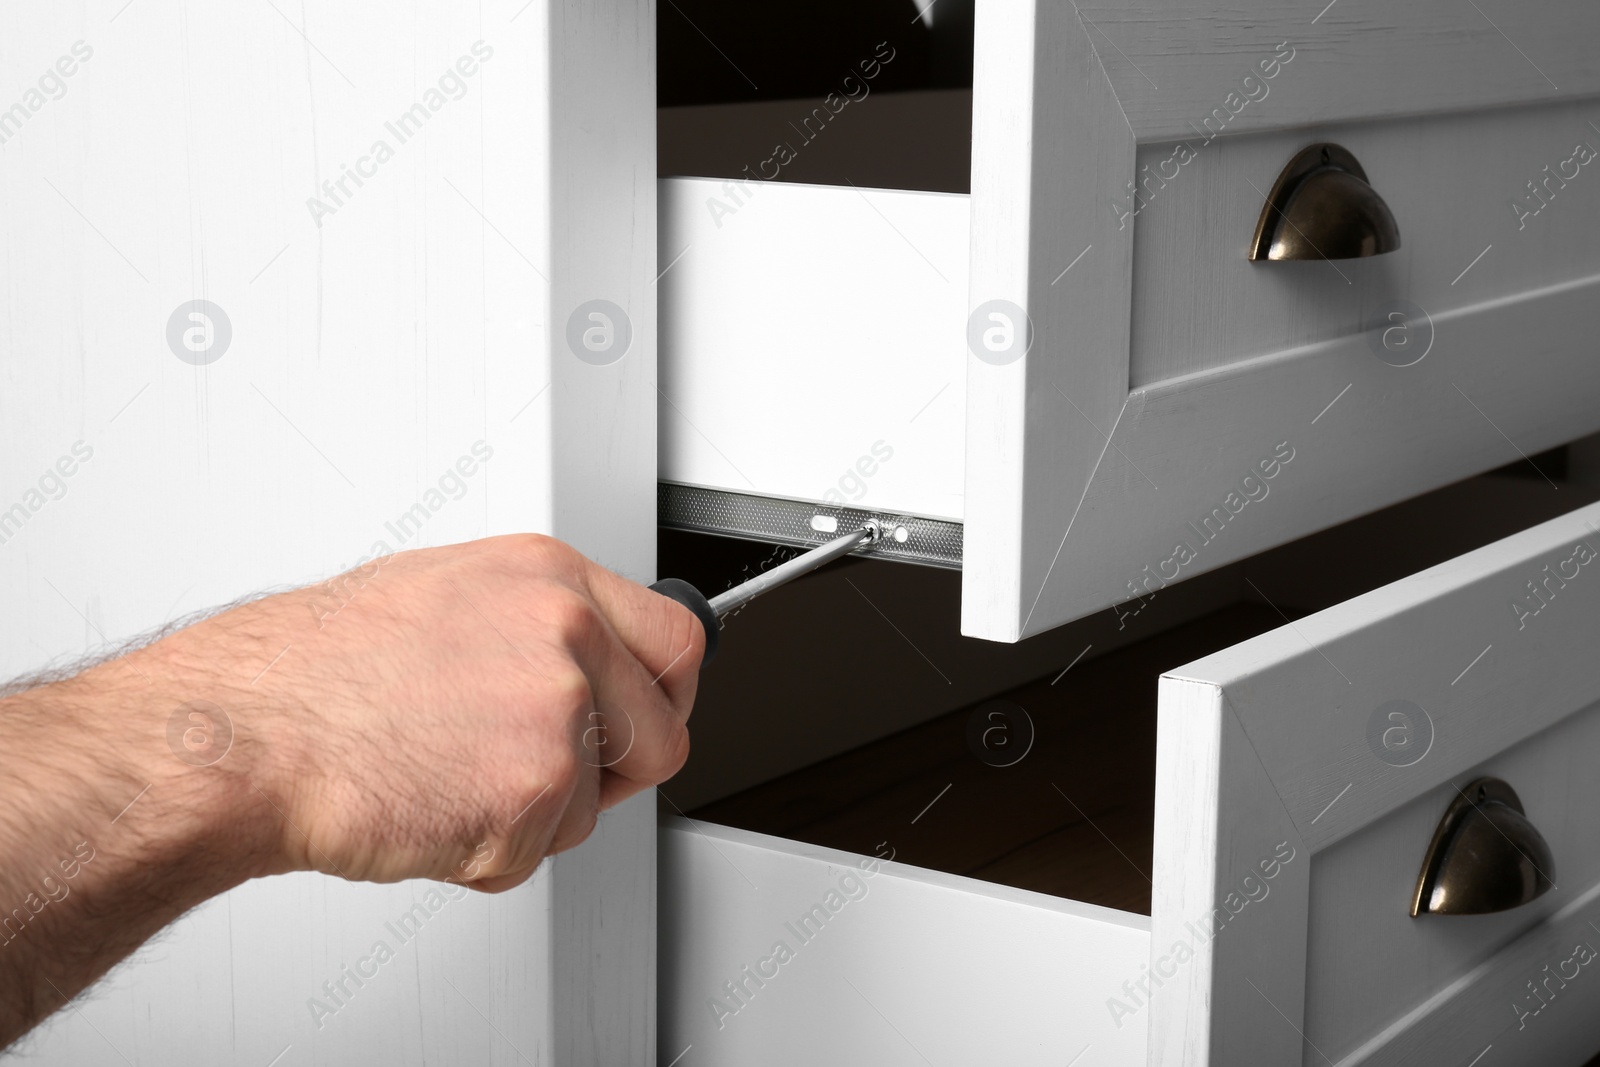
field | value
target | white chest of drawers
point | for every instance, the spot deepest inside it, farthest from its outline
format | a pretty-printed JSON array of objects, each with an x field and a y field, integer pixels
[{"x": 1179, "y": 408}]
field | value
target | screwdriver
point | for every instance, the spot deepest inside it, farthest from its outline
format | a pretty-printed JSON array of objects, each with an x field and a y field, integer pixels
[{"x": 710, "y": 611}]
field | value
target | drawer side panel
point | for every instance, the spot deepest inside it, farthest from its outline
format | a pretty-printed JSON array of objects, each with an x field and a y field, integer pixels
[{"x": 775, "y": 952}]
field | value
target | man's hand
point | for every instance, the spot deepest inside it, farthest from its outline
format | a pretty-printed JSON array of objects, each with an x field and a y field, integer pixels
[
  {"x": 499, "y": 694},
  {"x": 456, "y": 713}
]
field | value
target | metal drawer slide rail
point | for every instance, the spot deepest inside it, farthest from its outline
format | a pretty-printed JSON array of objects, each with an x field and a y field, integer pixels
[{"x": 931, "y": 542}]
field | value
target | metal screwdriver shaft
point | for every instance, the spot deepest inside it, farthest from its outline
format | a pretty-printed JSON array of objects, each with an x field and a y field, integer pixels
[
  {"x": 742, "y": 594},
  {"x": 710, "y": 612}
]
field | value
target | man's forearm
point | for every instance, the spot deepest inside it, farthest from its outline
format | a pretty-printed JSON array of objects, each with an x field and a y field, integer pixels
[{"x": 108, "y": 832}]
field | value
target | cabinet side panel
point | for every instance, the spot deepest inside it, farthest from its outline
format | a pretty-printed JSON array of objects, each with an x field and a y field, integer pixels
[
  {"x": 601, "y": 331},
  {"x": 364, "y": 195}
]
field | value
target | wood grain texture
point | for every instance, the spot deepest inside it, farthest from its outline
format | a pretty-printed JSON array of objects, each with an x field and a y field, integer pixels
[
  {"x": 1199, "y": 304},
  {"x": 1046, "y": 137},
  {"x": 1423, "y": 1019},
  {"x": 1415, "y": 640},
  {"x": 1364, "y": 59},
  {"x": 1361, "y": 434},
  {"x": 376, "y": 341},
  {"x": 1491, "y": 686},
  {"x": 1491, "y": 1012},
  {"x": 1233, "y": 882},
  {"x": 1165, "y": 370}
]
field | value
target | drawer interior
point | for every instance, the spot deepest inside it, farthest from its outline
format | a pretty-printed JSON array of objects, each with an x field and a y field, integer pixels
[
  {"x": 1072, "y": 817},
  {"x": 814, "y": 254},
  {"x": 875, "y": 93}
]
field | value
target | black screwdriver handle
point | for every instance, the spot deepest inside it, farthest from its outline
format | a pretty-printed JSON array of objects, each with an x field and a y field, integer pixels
[{"x": 691, "y": 598}]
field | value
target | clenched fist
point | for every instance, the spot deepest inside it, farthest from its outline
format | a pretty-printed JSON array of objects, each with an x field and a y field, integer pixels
[{"x": 501, "y": 693}]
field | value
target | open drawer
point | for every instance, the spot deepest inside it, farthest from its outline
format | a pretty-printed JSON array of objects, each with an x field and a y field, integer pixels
[
  {"x": 1224, "y": 879},
  {"x": 1072, "y": 357}
]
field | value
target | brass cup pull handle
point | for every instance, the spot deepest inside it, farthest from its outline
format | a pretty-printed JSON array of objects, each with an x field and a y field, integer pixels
[
  {"x": 1321, "y": 207},
  {"x": 1485, "y": 856}
]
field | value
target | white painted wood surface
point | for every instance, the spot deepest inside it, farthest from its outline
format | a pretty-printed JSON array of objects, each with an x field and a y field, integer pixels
[
  {"x": 1199, "y": 304},
  {"x": 1047, "y": 135},
  {"x": 1291, "y": 711},
  {"x": 1365, "y": 59},
  {"x": 425, "y": 315},
  {"x": 1553, "y": 774},
  {"x": 1088, "y": 459},
  {"x": 904, "y": 966},
  {"x": 1490, "y": 1012},
  {"x": 1228, "y": 867},
  {"x": 811, "y": 343}
]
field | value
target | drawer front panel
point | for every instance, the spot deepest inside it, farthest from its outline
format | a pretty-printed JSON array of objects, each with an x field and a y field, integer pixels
[
  {"x": 1357, "y": 882},
  {"x": 1359, "y": 59},
  {"x": 1164, "y": 367},
  {"x": 1488, "y": 662},
  {"x": 776, "y": 952},
  {"x": 1473, "y": 232}
]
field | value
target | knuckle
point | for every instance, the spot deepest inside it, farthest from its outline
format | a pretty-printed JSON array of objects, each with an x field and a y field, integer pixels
[
  {"x": 572, "y": 616},
  {"x": 571, "y": 691},
  {"x": 532, "y": 544},
  {"x": 572, "y": 838},
  {"x": 562, "y": 770},
  {"x": 484, "y": 861},
  {"x": 662, "y": 756},
  {"x": 674, "y": 752},
  {"x": 544, "y": 554},
  {"x": 687, "y": 632}
]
